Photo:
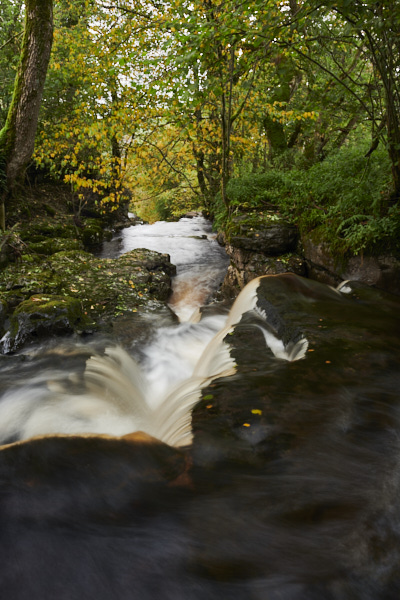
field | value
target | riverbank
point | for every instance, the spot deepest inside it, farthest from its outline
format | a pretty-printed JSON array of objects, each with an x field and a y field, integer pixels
[
  {"x": 262, "y": 243},
  {"x": 50, "y": 282}
]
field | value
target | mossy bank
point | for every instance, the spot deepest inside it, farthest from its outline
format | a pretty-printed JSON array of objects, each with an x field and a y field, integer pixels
[{"x": 51, "y": 284}]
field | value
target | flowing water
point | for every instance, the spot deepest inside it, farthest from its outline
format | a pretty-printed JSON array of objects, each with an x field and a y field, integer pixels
[
  {"x": 280, "y": 475},
  {"x": 200, "y": 262}
]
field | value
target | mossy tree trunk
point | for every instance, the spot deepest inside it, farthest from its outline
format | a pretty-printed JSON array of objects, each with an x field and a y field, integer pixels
[{"x": 17, "y": 137}]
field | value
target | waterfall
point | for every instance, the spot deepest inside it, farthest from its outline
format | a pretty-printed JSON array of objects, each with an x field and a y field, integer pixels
[
  {"x": 118, "y": 396},
  {"x": 284, "y": 483}
]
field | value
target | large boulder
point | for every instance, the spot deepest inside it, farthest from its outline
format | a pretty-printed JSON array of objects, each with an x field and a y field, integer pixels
[
  {"x": 266, "y": 236},
  {"x": 246, "y": 265},
  {"x": 41, "y": 316},
  {"x": 95, "y": 292},
  {"x": 381, "y": 271},
  {"x": 259, "y": 244}
]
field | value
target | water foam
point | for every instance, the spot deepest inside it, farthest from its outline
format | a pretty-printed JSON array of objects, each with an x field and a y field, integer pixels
[{"x": 116, "y": 395}]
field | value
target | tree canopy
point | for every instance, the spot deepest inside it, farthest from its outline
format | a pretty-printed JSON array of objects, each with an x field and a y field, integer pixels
[{"x": 173, "y": 104}]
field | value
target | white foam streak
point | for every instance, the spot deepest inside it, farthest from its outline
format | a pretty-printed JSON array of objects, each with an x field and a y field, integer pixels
[{"x": 121, "y": 397}]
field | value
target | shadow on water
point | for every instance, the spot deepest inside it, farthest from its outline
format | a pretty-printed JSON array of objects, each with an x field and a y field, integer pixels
[{"x": 290, "y": 489}]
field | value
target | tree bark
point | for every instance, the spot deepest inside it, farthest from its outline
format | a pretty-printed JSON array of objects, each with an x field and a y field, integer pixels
[{"x": 17, "y": 138}]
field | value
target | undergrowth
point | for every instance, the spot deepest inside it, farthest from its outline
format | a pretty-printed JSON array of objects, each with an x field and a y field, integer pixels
[{"x": 345, "y": 200}]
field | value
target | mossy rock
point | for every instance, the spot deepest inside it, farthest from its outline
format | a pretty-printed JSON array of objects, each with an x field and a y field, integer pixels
[
  {"x": 264, "y": 232},
  {"x": 43, "y": 315},
  {"x": 50, "y": 210},
  {"x": 78, "y": 255},
  {"x": 92, "y": 235},
  {"x": 51, "y": 246},
  {"x": 45, "y": 229},
  {"x": 3, "y": 315},
  {"x": 99, "y": 289}
]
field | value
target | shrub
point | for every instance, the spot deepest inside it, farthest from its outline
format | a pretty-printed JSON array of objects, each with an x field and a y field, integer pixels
[{"x": 345, "y": 196}]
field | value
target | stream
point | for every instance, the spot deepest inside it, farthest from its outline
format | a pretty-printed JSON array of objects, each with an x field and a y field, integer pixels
[
  {"x": 269, "y": 466},
  {"x": 200, "y": 261}
]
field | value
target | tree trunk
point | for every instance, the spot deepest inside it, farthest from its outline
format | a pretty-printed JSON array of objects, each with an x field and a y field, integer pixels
[{"x": 17, "y": 138}]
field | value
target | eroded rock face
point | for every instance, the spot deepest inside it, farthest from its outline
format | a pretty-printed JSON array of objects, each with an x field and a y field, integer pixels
[
  {"x": 246, "y": 265},
  {"x": 382, "y": 272},
  {"x": 262, "y": 246},
  {"x": 271, "y": 239},
  {"x": 266, "y": 245}
]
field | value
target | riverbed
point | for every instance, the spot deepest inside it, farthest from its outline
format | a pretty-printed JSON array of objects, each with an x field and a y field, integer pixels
[{"x": 277, "y": 476}]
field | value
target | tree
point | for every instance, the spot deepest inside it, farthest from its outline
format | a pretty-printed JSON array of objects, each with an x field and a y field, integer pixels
[
  {"x": 11, "y": 31},
  {"x": 369, "y": 30},
  {"x": 17, "y": 137}
]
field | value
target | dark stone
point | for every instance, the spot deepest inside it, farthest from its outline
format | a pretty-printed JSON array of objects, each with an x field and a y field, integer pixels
[
  {"x": 3, "y": 315},
  {"x": 272, "y": 240},
  {"x": 382, "y": 272},
  {"x": 191, "y": 214},
  {"x": 40, "y": 316},
  {"x": 92, "y": 236},
  {"x": 246, "y": 265}
]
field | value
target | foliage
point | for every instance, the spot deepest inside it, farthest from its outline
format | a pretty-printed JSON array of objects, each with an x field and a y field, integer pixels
[
  {"x": 11, "y": 19},
  {"x": 227, "y": 107},
  {"x": 344, "y": 198}
]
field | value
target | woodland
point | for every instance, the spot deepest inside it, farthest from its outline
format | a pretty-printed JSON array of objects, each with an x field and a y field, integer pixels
[{"x": 228, "y": 107}]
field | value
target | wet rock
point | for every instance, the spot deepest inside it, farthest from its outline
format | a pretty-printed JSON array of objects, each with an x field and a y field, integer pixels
[
  {"x": 3, "y": 315},
  {"x": 92, "y": 233},
  {"x": 382, "y": 272},
  {"x": 191, "y": 214},
  {"x": 41, "y": 316},
  {"x": 246, "y": 266},
  {"x": 138, "y": 281},
  {"x": 259, "y": 244},
  {"x": 51, "y": 246},
  {"x": 267, "y": 236}
]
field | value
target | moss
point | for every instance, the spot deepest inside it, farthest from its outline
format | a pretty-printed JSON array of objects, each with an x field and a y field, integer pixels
[
  {"x": 247, "y": 223},
  {"x": 3, "y": 314},
  {"x": 50, "y": 210},
  {"x": 43, "y": 229},
  {"x": 51, "y": 246},
  {"x": 52, "y": 264},
  {"x": 42, "y": 315},
  {"x": 92, "y": 235},
  {"x": 38, "y": 18},
  {"x": 45, "y": 306}
]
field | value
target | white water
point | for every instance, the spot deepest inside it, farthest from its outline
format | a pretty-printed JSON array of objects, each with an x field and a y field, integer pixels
[
  {"x": 116, "y": 395},
  {"x": 200, "y": 261}
]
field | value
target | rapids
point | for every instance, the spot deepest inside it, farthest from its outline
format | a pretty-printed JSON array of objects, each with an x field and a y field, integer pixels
[
  {"x": 273, "y": 467},
  {"x": 200, "y": 261}
]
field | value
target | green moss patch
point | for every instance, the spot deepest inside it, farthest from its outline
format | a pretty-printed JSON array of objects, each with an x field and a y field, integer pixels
[{"x": 74, "y": 291}]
